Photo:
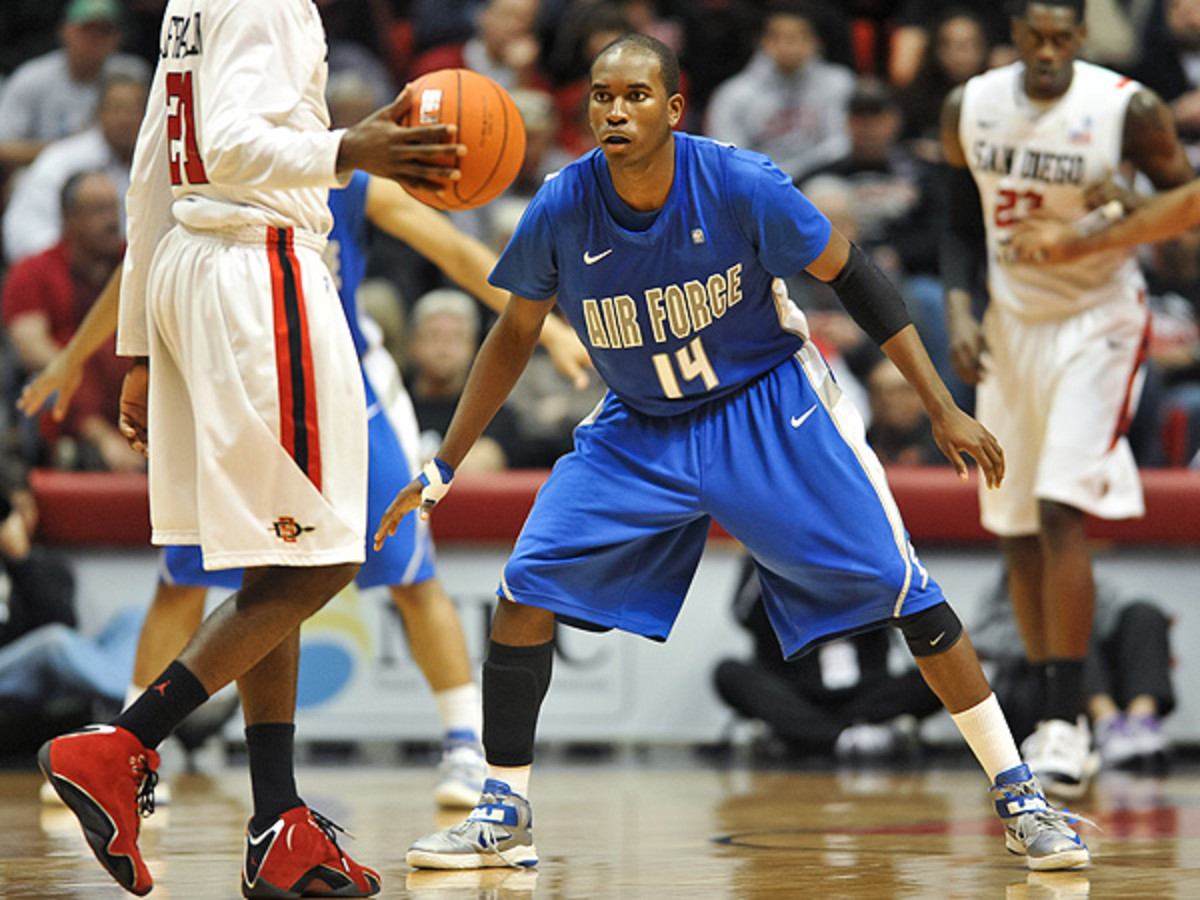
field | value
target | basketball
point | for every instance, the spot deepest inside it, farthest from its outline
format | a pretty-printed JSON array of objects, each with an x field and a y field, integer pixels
[{"x": 489, "y": 125}]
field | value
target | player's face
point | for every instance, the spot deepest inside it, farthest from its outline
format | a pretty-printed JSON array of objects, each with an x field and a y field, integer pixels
[
  {"x": 629, "y": 109},
  {"x": 1047, "y": 38}
]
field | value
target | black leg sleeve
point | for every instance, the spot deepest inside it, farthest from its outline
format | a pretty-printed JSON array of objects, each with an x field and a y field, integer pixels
[{"x": 515, "y": 680}]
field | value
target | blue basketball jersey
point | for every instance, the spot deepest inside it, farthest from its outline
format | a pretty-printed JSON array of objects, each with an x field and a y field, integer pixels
[
  {"x": 346, "y": 253},
  {"x": 687, "y": 310}
]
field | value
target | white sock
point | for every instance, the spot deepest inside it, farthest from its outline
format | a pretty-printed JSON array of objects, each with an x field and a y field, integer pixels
[
  {"x": 986, "y": 732},
  {"x": 132, "y": 693},
  {"x": 516, "y": 777},
  {"x": 461, "y": 709}
]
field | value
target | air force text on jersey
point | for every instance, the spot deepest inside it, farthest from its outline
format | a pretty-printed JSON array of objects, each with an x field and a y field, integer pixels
[{"x": 681, "y": 309}]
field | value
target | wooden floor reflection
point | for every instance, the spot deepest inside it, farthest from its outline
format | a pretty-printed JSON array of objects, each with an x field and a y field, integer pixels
[{"x": 651, "y": 831}]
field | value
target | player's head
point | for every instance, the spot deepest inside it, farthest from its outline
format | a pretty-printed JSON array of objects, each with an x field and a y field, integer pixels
[
  {"x": 634, "y": 101},
  {"x": 1048, "y": 35}
]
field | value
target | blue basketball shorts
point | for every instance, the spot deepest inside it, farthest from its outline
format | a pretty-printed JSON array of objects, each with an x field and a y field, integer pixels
[
  {"x": 407, "y": 557},
  {"x": 616, "y": 532}
]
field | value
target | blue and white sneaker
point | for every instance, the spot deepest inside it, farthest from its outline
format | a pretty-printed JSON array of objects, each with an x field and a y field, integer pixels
[
  {"x": 498, "y": 832},
  {"x": 1033, "y": 828},
  {"x": 461, "y": 772}
]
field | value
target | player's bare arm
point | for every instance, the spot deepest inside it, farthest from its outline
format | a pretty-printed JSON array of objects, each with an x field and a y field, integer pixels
[
  {"x": 965, "y": 331},
  {"x": 65, "y": 371},
  {"x": 468, "y": 261},
  {"x": 409, "y": 154},
  {"x": 135, "y": 390},
  {"x": 501, "y": 360},
  {"x": 1150, "y": 142},
  {"x": 954, "y": 431}
]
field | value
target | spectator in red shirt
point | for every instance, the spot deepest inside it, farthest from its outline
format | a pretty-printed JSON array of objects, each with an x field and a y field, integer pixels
[{"x": 45, "y": 297}]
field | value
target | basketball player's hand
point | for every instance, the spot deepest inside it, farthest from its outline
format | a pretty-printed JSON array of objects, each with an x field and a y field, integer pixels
[
  {"x": 424, "y": 491},
  {"x": 61, "y": 377},
  {"x": 566, "y": 351},
  {"x": 134, "y": 393},
  {"x": 957, "y": 433},
  {"x": 420, "y": 156},
  {"x": 1040, "y": 240},
  {"x": 967, "y": 343}
]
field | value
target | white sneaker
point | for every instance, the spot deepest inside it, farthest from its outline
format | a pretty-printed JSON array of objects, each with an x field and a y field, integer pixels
[
  {"x": 1060, "y": 754},
  {"x": 461, "y": 774}
]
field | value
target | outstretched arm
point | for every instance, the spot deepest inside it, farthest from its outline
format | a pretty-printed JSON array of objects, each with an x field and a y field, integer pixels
[
  {"x": 875, "y": 304},
  {"x": 468, "y": 261},
  {"x": 64, "y": 372},
  {"x": 498, "y": 365}
]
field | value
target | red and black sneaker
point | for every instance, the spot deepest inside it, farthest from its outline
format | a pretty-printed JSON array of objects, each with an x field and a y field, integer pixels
[
  {"x": 106, "y": 777},
  {"x": 298, "y": 856}
]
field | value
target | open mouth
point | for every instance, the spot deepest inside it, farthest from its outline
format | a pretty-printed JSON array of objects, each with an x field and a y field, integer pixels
[{"x": 616, "y": 139}]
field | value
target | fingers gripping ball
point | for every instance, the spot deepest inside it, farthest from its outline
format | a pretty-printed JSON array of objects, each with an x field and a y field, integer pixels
[
  {"x": 435, "y": 478},
  {"x": 489, "y": 125}
]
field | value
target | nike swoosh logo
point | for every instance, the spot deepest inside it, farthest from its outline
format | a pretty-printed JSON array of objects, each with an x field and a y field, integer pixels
[
  {"x": 589, "y": 259},
  {"x": 257, "y": 849},
  {"x": 797, "y": 421},
  {"x": 937, "y": 639},
  {"x": 92, "y": 729}
]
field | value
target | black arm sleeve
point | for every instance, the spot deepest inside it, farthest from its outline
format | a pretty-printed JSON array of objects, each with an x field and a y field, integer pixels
[
  {"x": 962, "y": 254},
  {"x": 870, "y": 298}
]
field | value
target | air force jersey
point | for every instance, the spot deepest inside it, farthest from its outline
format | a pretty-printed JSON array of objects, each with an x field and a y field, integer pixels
[
  {"x": 1026, "y": 156},
  {"x": 345, "y": 253},
  {"x": 693, "y": 307}
]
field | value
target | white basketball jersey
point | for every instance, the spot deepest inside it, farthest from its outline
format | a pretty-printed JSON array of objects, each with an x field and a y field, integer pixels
[{"x": 1028, "y": 155}]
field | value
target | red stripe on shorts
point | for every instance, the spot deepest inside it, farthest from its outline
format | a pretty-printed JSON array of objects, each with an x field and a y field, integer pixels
[
  {"x": 298, "y": 424},
  {"x": 1127, "y": 405}
]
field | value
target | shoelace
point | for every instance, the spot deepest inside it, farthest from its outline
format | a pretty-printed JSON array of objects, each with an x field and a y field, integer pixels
[
  {"x": 488, "y": 830},
  {"x": 145, "y": 792}
]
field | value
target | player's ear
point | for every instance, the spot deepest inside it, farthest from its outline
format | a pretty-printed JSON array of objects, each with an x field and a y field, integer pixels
[{"x": 675, "y": 109}]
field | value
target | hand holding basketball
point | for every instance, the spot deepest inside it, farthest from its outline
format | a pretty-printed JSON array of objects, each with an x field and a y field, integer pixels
[
  {"x": 424, "y": 156},
  {"x": 487, "y": 122}
]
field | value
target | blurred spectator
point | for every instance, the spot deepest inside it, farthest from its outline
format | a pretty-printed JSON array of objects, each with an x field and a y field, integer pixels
[
  {"x": 504, "y": 46},
  {"x": 50, "y": 674},
  {"x": 44, "y": 299},
  {"x": 788, "y": 102},
  {"x": 957, "y": 49},
  {"x": 351, "y": 33},
  {"x": 443, "y": 339},
  {"x": 32, "y": 221},
  {"x": 897, "y": 202},
  {"x": 899, "y": 430},
  {"x": 1170, "y": 65},
  {"x": 840, "y": 699},
  {"x": 1127, "y": 673},
  {"x": 917, "y": 20},
  {"x": 56, "y": 95},
  {"x": 588, "y": 27}
]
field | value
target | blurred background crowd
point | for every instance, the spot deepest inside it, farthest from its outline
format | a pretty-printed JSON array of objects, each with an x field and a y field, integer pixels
[{"x": 844, "y": 94}]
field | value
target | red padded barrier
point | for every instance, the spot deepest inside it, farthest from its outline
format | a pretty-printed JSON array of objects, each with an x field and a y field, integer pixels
[{"x": 107, "y": 509}]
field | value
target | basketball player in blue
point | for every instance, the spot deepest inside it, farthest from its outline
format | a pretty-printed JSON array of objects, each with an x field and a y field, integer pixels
[{"x": 666, "y": 252}]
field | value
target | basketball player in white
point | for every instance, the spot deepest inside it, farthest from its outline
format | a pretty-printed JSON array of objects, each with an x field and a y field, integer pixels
[
  {"x": 246, "y": 393},
  {"x": 1056, "y": 357}
]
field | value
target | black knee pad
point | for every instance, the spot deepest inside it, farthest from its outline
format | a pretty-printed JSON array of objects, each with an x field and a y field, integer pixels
[
  {"x": 931, "y": 631},
  {"x": 515, "y": 681}
]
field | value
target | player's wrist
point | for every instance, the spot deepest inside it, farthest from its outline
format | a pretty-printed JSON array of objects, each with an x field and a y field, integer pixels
[{"x": 435, "y": 477}]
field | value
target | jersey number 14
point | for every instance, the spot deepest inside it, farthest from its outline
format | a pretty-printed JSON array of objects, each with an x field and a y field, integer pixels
[{"x": 692, "y": 363}]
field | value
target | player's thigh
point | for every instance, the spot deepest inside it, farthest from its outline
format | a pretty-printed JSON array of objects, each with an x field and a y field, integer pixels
[{"x": 615, "y": 534}]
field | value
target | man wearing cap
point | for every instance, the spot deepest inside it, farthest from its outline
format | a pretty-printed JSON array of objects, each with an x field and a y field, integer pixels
[{"x": 55, "y": 95}]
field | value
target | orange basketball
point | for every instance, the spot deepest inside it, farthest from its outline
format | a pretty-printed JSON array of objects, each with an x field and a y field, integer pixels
[{"x": 489, "y": 125}]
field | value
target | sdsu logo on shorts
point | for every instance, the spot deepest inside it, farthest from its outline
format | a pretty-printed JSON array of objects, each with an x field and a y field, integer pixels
[{"x": 288, "y": 529}]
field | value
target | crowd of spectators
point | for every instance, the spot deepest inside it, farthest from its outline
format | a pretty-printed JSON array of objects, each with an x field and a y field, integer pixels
[{"x": 844, "y": 94}]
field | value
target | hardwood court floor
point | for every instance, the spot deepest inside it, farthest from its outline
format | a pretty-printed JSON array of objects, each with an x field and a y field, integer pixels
[{"x": 656, "y": 830}]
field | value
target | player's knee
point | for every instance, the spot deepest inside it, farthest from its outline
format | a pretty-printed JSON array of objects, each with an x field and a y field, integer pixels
[{"x": 931, "y": 631}]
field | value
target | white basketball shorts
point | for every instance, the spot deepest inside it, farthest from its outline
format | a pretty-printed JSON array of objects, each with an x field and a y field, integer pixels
[
  {"x": 257, "y": 427},
  {"x": 1059, "y": 396}
]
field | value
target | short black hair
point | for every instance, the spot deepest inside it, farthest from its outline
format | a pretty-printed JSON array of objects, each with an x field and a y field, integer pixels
[
  {"x": 667, "y": 60},
  {"x": 1020, "y": 7},
  {"x": 68, "y": 197}
]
